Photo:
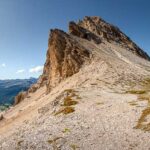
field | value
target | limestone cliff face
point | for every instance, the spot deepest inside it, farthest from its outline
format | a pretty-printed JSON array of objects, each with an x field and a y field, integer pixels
[
  {"x": 65, "y": 56},
  {"x": 81, "y": 32},
  {"x": 106, "y": 31}
]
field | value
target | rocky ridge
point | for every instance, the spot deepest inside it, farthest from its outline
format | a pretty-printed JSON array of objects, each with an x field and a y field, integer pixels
[
  {"x": 93, "y": 94},
  {"x": 65, "y": 55},
  {"x": 111, "y": 33}
]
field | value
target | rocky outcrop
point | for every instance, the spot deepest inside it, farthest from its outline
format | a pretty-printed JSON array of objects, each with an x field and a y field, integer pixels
[
  {"x": 41, "y": 82},
  {"x": 83, "y": 33},
  {"x": 21, "y": 96},
  {"x": 65, "y": 57},
  {"x": 110, "y": 33},
  {"x": 1, "y": 117}
]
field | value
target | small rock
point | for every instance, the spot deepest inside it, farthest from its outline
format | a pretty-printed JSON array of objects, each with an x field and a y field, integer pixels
[{"x": 1, "y": 117}]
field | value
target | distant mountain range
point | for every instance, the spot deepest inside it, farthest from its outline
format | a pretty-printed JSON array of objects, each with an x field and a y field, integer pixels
[{"x": 10, "y": 88}]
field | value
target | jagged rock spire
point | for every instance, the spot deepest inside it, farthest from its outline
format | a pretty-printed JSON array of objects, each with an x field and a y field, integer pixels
[
  {"x": 65, "y": 57},
  {"x": 98, "y": 28}
]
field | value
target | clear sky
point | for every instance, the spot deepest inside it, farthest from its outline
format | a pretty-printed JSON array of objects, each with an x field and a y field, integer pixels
[{"x": 25, "y": 25}]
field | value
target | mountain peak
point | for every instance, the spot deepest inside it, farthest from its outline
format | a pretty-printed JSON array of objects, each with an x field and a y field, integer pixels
[
  {"x": 68, "y": 52},
  {"x": 110, "y": 33}
]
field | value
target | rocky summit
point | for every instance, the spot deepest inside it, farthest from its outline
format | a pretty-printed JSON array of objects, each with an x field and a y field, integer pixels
[{"x": 93, "y": 94}]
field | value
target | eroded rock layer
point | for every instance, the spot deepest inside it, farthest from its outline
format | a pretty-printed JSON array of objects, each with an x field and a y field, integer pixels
[
  {"x": 66, "y": 55},
  {"x": 108, "y": 32}
]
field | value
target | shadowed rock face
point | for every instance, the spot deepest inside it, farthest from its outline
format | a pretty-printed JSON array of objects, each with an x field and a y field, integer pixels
[{"x": 83, "y": 33}]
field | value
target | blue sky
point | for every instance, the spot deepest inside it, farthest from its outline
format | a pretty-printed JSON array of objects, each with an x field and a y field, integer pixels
[{"x": 25, "y": 25}]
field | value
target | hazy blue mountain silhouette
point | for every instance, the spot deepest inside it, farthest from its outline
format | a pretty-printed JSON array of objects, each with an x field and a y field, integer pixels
[{"x": 10, "y": 88}]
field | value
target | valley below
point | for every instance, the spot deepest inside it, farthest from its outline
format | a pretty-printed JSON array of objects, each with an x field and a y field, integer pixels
[{"x": 10, "y": 88}]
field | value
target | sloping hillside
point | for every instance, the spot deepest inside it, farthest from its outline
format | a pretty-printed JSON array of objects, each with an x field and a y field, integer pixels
[{"x": 93, "y": 94}]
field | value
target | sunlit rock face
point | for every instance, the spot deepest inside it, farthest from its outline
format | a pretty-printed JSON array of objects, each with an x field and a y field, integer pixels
[
  {"x": 66, "y": 54},
  {"x": 111, "y": 33},
  {"x": 65, "y": 57}
]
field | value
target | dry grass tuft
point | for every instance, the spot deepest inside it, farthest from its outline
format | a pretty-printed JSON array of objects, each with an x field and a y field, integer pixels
[
  {"x": 68, "y": 101},
  {"x": 53, "y": 140},
  {"x": 136, "y": 92},
  {"x": 74, "y": 147},
  {"x": 144, "y": 95},
  {"x": 66, "y": 130},
  {"x": 133, "y": 103},
  {"x": 69, "y": 90},
  {"x": 99, "y": 103},
  {"x": 65, "y": 111},
  {"x": 142, "y": 122}
]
